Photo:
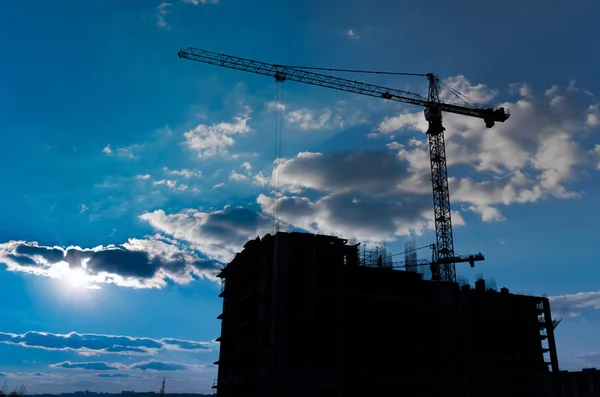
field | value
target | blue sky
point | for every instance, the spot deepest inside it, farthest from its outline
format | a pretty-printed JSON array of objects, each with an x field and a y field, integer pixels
[{"x": 155, "y": 170}]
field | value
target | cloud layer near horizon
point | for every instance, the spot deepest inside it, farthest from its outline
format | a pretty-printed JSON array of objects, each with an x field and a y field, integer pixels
[
  {"x": 573, "y": 305},
  {"x": 151, "y": 365},
  {"x": 93, "y": 344}
]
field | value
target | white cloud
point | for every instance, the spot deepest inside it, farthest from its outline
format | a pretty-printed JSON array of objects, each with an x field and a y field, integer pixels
[
  {"x": 352, "y": 34},
  {"x": 183, "y": 172},
  {"x": 218, "y": 234},
  {"x": 161, "y": 12},
  {"x": 138, "y": 263},
  {"x": 590, "y": 359},
  {"x": 234, "y": 176},
  {"x": 572, "y": 305},
  {"x": 593, "y": 117},
  {"x": 261, "y": 180},
  {"x": 151, "y": 365},
  {"x": 145, "y": 177},
  {"x": 94, "y": 344},
  {"x": 82, "y": 208},
  {"x": 126, "y": 152},
  {"x": 274, "y": 105},
  {"x": 321, "y": 119},
  {"x": 171, "y": 184},
  {"x": 246, "y": 165},
  {"x": 167, "y": 182},
  {"x": 404, "y": 120},
  {"x": 596, "y": 152},
  {"x": 197, "y": 2},
  {"x": 479, "y": 93},
  {"x": 218, "y": 185},
  {"x": 533, "y": 155},
  {"x": 308, "y": 119},
  {"x": 216, "y": 139}
]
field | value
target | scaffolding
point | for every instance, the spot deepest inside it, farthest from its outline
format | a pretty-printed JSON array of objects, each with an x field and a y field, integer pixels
[
  {"x": 410, "y": 255},
  {"x": 375, "y": 257}
]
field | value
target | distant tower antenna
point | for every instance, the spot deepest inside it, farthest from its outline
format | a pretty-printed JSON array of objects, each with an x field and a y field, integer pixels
[{"x": 162, "y": 388}]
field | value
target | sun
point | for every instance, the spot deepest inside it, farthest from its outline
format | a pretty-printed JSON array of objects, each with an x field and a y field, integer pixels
[{"x": 77, "y": 278}]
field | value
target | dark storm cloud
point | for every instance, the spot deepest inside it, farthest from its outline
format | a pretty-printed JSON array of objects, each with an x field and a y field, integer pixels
[{"x": 88, "y": 344}]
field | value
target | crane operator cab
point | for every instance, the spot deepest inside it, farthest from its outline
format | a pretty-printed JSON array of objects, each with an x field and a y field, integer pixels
[{"x": 433, "y": 114}]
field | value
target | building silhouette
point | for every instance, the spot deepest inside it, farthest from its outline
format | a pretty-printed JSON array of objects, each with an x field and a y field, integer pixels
[
  {"x": 302, "y": 317},
  {"x": 584, "y": 383}
]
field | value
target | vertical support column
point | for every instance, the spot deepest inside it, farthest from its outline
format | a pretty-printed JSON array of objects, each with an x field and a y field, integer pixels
[
  {"x": 278, "y": 323},
  {"x": 314, "y": 326},
  {"x": 341, "y": 316},
  {"x": 551, "y": 341}
]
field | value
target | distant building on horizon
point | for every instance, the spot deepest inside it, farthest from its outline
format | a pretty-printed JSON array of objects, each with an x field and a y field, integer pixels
[
  {"x": 584, "y": 383},
  {"x": 301, "y": 317}
]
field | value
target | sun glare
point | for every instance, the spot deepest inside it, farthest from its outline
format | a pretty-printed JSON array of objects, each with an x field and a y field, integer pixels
[{"x": 77, "y": 278}]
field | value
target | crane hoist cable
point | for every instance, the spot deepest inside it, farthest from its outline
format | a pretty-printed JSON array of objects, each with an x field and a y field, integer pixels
[
  {"x": 354, "y": 71},
  {"x": 279, "y": 109}
]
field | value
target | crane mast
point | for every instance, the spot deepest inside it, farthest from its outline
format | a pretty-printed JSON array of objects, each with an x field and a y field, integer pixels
[
  {"x": 443, "y": 263},
  {"x": 444, "y": 267}
]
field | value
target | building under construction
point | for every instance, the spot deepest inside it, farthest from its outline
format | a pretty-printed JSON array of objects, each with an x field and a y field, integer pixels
[{"x": 303, "y": 317}]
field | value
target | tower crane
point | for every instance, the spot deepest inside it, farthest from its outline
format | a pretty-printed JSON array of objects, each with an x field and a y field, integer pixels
[{"x": 444, "y": 261}]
